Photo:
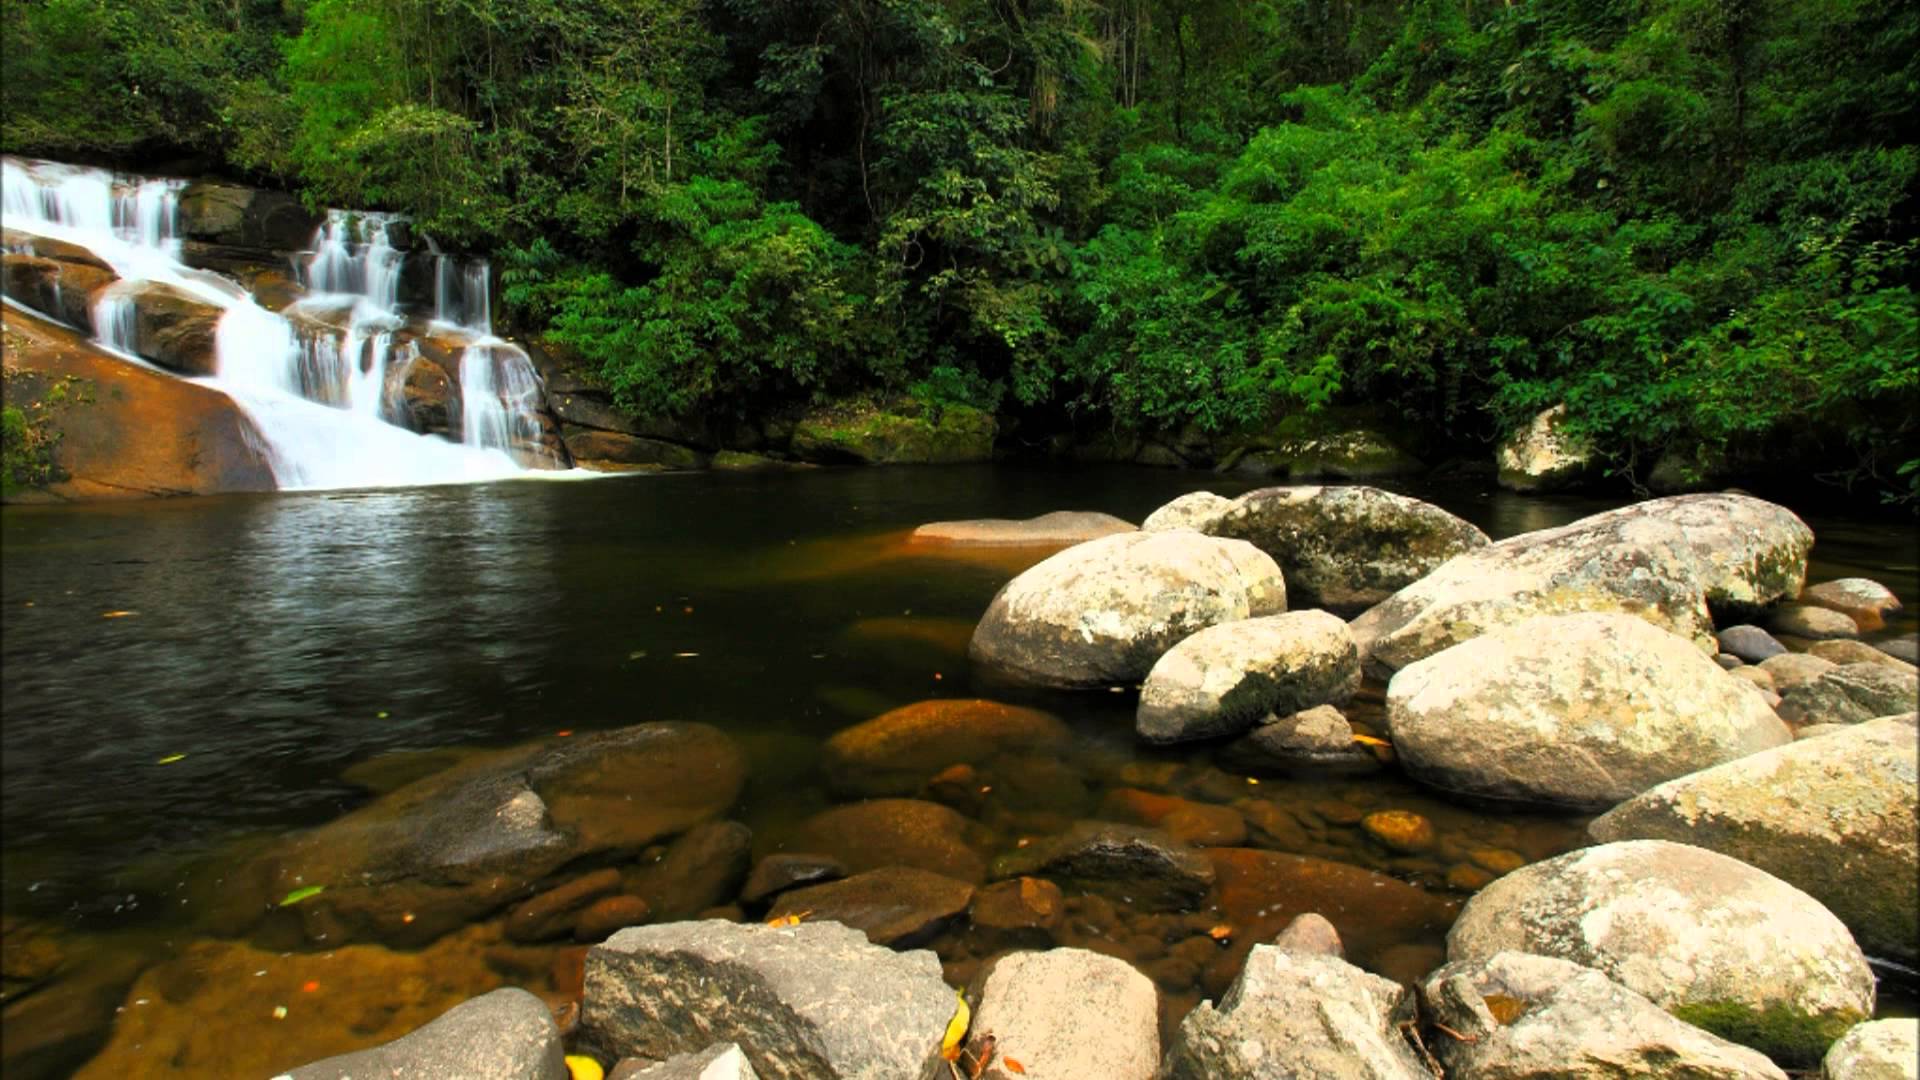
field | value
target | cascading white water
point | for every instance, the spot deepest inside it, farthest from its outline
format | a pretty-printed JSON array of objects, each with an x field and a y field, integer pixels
[
  {"x": 499, "y": 397},
  {"x": 319, "y": 395}
]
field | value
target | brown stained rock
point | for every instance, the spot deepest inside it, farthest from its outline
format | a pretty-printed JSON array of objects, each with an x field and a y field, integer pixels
[
  {"x": 608, "y": 914},
  {"x": 609, "y": 451},
  {"x": 63, "y": 290},
  {"x": 894, "y": 832},
  {"x": 1401, "y": 830},
  {"x": 699, "y": 870},
  {"x": 1865, "y": 601},
  {"x": 1058, "y": 529},
  {"x": 776, "y": 874},
  {"x": 897, "y": 752},
  {"x": 551, "y": 913},
  {"x": 895, "y": 906},
  {"x": 174, "y": 328},
  {"x": 1310, "y": 933},
  {"x": 1812, "y": 622},
  {"x": 125, "y": 431},
  {"x": 1021, "y": 913},
  {"x": 1200, "y": 824}
]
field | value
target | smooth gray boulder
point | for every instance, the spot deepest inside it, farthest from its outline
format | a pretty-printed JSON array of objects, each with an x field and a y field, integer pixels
[
  {"x": 1834, "y": 817},
  {"x": 1789, "y": 670},
  {"x": 815, "y": 1001},
  {"x": 1577, "y": 711},
  {"x": 1749, "y": 643},
  {"x": 1292, "y": 1015},
  {"x": 1864, "y": 600},
  {"x": 1224, "y": 679},
  {"x": 1347, "y": 546},
  {"x": 1675, "y": 562},
  {"x": 1316, "y": 738},
  {"x": 1517, "y": 1016},
  {"x": 1901, "y": 648},
  {"x": 1716, "y": 942},
  {"x": 1100, "y": 613},
  {"x": 1059, "y": 527},
  {"x": 1196, "y": 510},
  {"x": 725, "y": 1061},
  {"x": 1541, "y": 457},
  {"x": 1845, "y": 651},
  {"x": 1065, "y": 1014},
  {"x": 1849, "y": 694},
  {"x": 1811, "y": 622},
  {"x": 1876, "y": 1050},
  {"x": 508, "y": 1034}
]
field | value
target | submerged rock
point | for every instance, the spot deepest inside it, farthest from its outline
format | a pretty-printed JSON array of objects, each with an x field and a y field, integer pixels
[
  {"x": 1834, "y": 817},
  {"x": 1021, "y": 913},
  {"x": 506, "y": 1035},
  {"x": 1346, "y": 546},
  {"x": 1062, "y": 527},
  {"x": 894, "y": 832},
  {"x": 776, "y": 874},
  {"x": 816, "y": 1001},
  {"x": 1103, "y": 612},
  {"x": 1517, "y": 1016},
  {"x": 1222, "y": 680},
  {"x": 1069, "y": 1014},
  {"x": 897, "y": 752},
  {"x": 1541, "y": 457},
  {"x": 459, "y": 843},
  {"x": 701, "y": 869},
  {"x": 1665, "y": 560},
  {"x": 1716, "y": 942},
  {"x": 1149, "y": 866},
  {"x": 1298, "y": 1014},
  {"x": 1579, "y": 711},
  {"x": 896, "y": 906}
]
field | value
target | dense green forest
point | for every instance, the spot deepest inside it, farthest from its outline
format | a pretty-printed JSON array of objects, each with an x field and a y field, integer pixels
[{"x": 1693, "y": 221}]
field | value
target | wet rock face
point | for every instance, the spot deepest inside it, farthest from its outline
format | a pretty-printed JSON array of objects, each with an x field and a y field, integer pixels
[
  {"x": 1716, "y": 942},
  {"x": 1224, "y": 679},
  {"x": 1298, "y": 1014},
  {"x": 1577, "y": 711},
  {"x": 462, "y": 842},
  {"x": 805, "y": 1002},
  {"x": 1832, "y": 816},
  {"x": 897, "y": 752},
  {"x": 245, "y": 217},
  {"x": 1065, "y": 1014},
  {"x": 1667, "y": 561},
  {"x": 174, "y": 328},
  {"x": 506, "y": 1035},
  {"x": 1520, "y": 1016},
  {"x": 61, "y": 289},
  {"x": 1346, "y": 547},
  {"x": 1102, "y": 612}
]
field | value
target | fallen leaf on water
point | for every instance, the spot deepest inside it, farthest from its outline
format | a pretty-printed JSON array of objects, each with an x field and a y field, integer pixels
[
  {"x": 300, "y": 894},
  {"x": 117, "y": 614},
  {"x": 637, "y": 654},
  {"x": 684, "y": 655},
  {"x": 169, "y": 759},
  {"x": 956, "y": 1028},
  {"x": 1220, "y": 933},
  {"x": 564, "y": 734},
  {"x": 1013, "y": 1065},
  {"x": 381, "y": 715},
  {"x": 309, "y": 986},
  {"x": 1368, "y": 740},
  {"x": 582, "y": 1067}
]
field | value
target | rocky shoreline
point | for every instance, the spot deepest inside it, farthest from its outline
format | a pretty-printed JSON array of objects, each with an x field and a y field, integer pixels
[{"x": 1757, "y": 846}]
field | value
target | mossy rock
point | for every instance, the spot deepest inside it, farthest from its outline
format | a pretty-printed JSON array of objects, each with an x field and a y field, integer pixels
[
  {"x": 1336, "y": 443},
  {"x": 1793, "y": 1039},
  {"x": 897, "y": 433}
]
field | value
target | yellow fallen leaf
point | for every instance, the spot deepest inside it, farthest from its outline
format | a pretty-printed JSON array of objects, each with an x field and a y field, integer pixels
[
  {"x": 1368, "y": 740},
  {"x": 169, "y": 759},
  {"x": 582, "y": 1067},
  {"x": 956, "y": 1028},
  {"x": 117, "y": 614},
  {"x": 789, "y": 920}
]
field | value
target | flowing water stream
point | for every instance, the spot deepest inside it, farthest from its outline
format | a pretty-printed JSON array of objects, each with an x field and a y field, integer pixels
[{"x": 290, "y": 653}]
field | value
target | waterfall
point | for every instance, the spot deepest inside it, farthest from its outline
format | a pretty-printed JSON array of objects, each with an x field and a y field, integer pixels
[{"x": 315, "y": 379}]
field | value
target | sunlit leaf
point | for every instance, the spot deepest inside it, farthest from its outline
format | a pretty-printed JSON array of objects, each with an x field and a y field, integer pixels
[
  {"x": 956, "y": 1028},
  {"x": 582, "y": 1067},
  {"x": 170, "y": 759},
  {"x": 300, "y": 894}
]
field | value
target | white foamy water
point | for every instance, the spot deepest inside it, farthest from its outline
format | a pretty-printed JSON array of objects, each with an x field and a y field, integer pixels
[{"x": 317, "y": 387}]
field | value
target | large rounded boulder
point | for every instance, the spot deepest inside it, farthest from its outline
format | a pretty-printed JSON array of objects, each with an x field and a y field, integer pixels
[
  {"x": 1224, "y": 679},
  {"x": 1716, "y": 942},
  {"x": 1575, "y": 711},
  {"x": 1675, "y": 562},
  {"x": 1101, "y": 613},
  {"x": 1832, "y": 816},
  {"x": 1542, "y": 457},
  {"x": 1339, "y": 546}
]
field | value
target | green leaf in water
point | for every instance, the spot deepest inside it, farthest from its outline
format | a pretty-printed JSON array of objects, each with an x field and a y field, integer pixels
[{"x": 300, "y": 894}]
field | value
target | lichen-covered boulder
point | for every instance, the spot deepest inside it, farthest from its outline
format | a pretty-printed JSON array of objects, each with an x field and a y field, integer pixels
[
  {"x": 1294, "y": 1015},
  {"x": 1812, "y": 622},
  {"x": 1849, "y": 694},
  {"x": 1577, "y": 711},
  {"x": 1224, "y": 679},
  {"x": 1677, "y": 563},
  {"x": 1065, "y": 1014},
  {"x": 1346, "y": 546},
  {"x": 1876, "y": 1050},
  {"x": 1516, "y": 1016},
  {"x": 815, "y": 1001},
  {"x": 1542, "y": 457},
  {"x": 1864, "y": 600},
  {"x": 1195, "y": 510},
  {"x": 1834, "y": 817},
  {"x": 1102, "y": 612},
  {"x": 1716, "y": 942}
]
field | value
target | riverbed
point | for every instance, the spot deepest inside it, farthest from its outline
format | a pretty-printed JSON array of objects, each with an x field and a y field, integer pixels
[{"x": 186, "y": 679}]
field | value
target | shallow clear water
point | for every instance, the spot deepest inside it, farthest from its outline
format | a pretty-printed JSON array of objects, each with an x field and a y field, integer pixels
[{"x": 276, "y": 641}]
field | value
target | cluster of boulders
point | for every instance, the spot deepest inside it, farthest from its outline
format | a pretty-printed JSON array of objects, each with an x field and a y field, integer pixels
[{"x": 1755, "y": 761}]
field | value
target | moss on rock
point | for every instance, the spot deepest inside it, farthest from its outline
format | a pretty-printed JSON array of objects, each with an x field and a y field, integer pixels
[
  {"x": 1794, "y": 1039},
  {"x": 894, "y": 433}
]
